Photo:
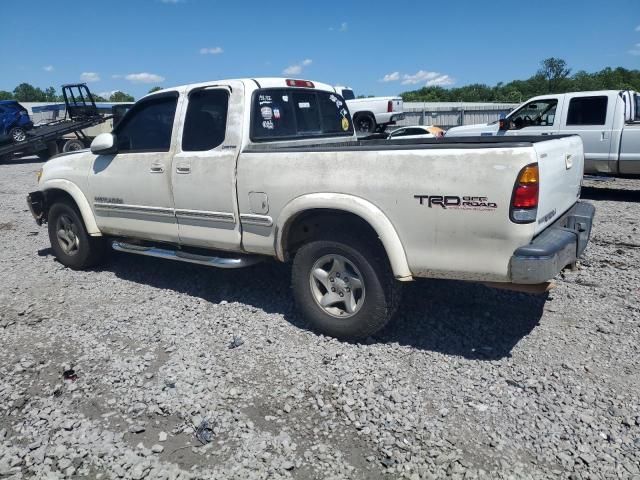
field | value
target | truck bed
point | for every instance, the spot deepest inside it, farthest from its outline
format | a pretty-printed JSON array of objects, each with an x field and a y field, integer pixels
[{"x": 410, "y": 144}]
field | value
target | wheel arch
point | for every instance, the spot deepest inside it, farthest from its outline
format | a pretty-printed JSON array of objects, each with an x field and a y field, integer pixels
[
  {"x": 365, "y": 113},
  {"x": 327, "y": 204},
  {"x": 60, "y": 188}
]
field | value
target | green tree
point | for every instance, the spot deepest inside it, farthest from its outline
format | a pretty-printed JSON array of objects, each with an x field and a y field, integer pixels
[
  {"x": 155, "y": 89},
  {"x": 50, "y": 95},
  {"x": 4, "y": 95},
  {"x": 98, "y": 98},
  {"x": 554, "y": 71},
  {"x": 554, "y": 76},
  {"x": 28, "y": 93},
  {"x": 121, "y": 97}
]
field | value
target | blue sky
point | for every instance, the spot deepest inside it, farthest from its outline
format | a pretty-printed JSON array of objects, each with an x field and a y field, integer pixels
[{"x": 375, "y": 47}]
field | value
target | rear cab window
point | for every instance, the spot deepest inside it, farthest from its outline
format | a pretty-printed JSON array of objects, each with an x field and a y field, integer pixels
[
  {"x": 298, "y": 113},
  {"x": 348, "y": 94},
  {"x": 587, "y": 111}
]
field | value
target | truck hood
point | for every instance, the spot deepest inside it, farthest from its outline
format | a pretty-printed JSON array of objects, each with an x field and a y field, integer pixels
[
  {"x": 68, "y": 166},
  {"x": 468, "y": 129}
]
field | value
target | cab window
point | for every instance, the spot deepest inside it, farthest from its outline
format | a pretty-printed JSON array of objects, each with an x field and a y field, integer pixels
[
  {"x": 587, "y": 111},
  {"x": 287, "y": 113},
  {"x": 348, "y": 94},
  {"x": 540, "y": 113},
  {"x": 206, "y": 120},
  {"x": 148, "y": 125}
]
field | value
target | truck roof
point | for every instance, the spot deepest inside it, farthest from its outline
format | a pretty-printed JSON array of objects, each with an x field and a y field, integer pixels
[
  {"x": 583, "y": 92},
  {"x": 259, "y": 82}
]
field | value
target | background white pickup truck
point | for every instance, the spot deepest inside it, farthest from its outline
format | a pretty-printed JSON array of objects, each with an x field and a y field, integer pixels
[
  {"x": 373, "y": 113},
  {"x": 229, "y": 172},
  {"x": 607, "y": 121}
]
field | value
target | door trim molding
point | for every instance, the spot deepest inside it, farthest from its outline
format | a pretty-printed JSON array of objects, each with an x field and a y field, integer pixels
[
  {"x": 205, "y": 214},
  {"x": 120, "y": 207},
  {"x": 261, "y": 220}
]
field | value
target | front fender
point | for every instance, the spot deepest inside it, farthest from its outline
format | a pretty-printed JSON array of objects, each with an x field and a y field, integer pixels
[
  {"x": 78, "y": 197},
  {"x": 352, "y": 204}
]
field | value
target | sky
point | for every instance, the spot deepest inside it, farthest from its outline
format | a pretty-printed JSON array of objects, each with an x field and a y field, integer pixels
[{"x": 377, "y": 48}]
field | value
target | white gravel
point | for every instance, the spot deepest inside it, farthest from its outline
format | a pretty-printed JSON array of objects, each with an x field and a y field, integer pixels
[{"x": 109, "y": 373}]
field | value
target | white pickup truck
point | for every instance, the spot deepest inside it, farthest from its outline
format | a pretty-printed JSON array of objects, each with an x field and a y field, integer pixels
[
  {"x": 607, "y": 121},
  {"x": 230, "y": 172},
  {"x": 373, "y": 113}
]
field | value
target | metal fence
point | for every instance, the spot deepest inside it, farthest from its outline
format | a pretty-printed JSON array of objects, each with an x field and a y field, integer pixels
[{"x": 447, "y": 115}]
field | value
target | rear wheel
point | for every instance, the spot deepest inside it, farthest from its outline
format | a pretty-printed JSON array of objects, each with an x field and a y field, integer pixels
[
  {"x": 73, "y": 145},
  {"x": 344, "y": 287},
  {"x": 365, "y": 124},
  {"x": 70, "y": 242},
  {"x": 18, "y": 134}
]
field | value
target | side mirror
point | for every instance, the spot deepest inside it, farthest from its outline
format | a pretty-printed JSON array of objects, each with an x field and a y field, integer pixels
[
  {"x": 104, "y": 144},
  {"x": 504, "y": 124}
]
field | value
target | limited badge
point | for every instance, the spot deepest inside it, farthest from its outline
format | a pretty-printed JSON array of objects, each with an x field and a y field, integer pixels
[{"x": 345, "y": 124}]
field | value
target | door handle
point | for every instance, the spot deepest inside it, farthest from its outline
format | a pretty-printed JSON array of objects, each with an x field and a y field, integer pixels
[
  {"x": 183, "y": 169},
  {"x": 156, "y": 168}
]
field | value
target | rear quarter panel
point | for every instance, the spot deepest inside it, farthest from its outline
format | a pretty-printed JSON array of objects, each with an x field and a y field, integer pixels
[
  {"x": 472, "y": 243},
  {"x": 630, "y": 149}
]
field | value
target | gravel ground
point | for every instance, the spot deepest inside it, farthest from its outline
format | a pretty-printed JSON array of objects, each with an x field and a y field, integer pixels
[{"x": 148, "y": 368}]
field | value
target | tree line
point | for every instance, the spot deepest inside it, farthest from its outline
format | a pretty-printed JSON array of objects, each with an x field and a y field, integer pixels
[
  {"x": 28, "y": 93},
  {"x": 554, "y": 76}
]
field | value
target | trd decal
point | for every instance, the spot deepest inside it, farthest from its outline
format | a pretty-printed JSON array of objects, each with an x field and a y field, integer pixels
[{"x": 456, "y": 202}]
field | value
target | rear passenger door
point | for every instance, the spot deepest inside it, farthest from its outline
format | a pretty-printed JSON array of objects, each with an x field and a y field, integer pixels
[
  {"x": 203, "y": 175},
  {"x": 589, "y": 117}
]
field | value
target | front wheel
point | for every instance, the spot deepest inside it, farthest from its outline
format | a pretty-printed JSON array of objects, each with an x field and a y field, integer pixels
[
  {"x": 344, "y": 287},
  {"x": 70, "y": 242},
  {"x": 18, "y": 134}
]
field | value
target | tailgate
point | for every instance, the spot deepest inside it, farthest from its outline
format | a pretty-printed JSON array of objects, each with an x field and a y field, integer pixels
[
  {"x": 561, "y": 165},
  {"x": 397, "y": 105}
]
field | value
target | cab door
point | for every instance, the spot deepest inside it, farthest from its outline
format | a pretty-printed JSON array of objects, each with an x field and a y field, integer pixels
[
  {"x": 203, "y": 173},
  {"x": 131, "y": 189},
  {"x": 538, "y": 117}
]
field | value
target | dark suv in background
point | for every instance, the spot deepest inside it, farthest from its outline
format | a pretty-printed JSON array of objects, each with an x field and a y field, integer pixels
[{"x": 14, "y": 121}]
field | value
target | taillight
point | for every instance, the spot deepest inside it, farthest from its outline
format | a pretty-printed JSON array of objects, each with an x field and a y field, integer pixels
[
  {"x": 299, "y": 83},
  {"x": 390, "y": 106},
  {"x": 524, "y": 201}
]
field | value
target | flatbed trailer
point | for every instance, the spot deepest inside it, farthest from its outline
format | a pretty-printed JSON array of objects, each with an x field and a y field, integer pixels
[{"x": 49, "y": 139}]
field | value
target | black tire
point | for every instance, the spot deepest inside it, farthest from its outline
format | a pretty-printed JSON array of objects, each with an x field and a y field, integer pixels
[
  {"x": 50, "y": 151},
  {"x": 18, "y": 134},
  {"x": 382, "y": 291},
  {"x": 86, "y": 251},
  {"x": 73, "y": 145},
  {"x": 365, "y": 124}
]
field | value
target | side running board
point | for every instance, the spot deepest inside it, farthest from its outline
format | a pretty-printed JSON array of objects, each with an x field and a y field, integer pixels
[{"x": 219, "y": 262}]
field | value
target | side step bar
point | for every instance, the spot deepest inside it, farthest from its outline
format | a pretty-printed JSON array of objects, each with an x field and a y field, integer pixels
[{"x": 219, "y": 262}]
